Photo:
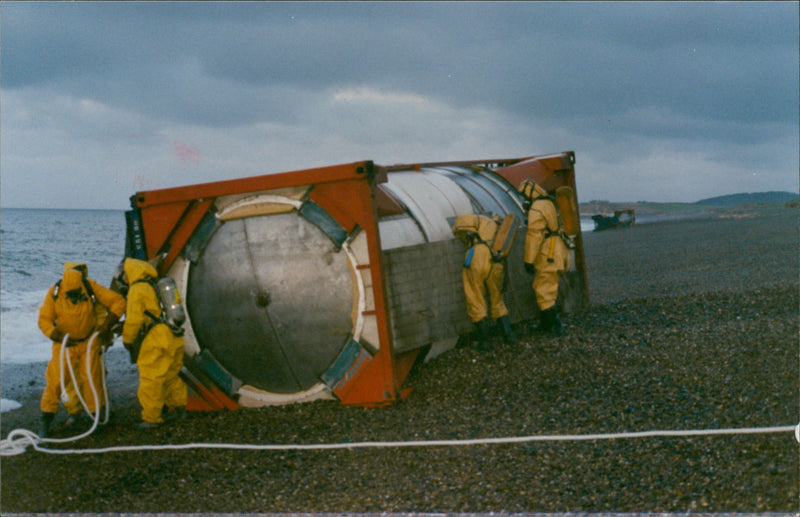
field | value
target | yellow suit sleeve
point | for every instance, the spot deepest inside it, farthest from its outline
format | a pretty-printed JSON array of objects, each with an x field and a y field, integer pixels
[
  {"x": 113, "y": 301},
  {"x": 134, "y": 313},
  {"x": 535, "y": 235},
  {"x": 47, "y": 314}
]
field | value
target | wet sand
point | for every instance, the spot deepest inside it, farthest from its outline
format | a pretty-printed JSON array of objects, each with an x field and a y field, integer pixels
[{"x": 693, "y": 325}]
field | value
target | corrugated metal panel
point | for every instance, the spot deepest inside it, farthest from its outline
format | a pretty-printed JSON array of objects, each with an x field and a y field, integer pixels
[
  {"x": 431, "y": 199},
  {"x": 491, "y": 192}
]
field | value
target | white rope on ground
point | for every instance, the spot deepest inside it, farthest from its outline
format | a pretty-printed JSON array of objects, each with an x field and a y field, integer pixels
[
  {"x": 64, "y": 357},
  {"x": 419, "y": 443},
  {"x": 19, "y": 439}
]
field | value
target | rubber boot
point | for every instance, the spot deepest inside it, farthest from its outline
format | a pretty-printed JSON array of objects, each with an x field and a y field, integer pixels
[
  {"x": 555, "y": 324},
  {"x": 72, "y": 420},
  {"x": 542, "y": 325},
  {"x": 177, "y": 413},
  {"x": 507, "y": 332},
  {"x": 551, "y": 322},
  {"x": 481, "y": 341},
  {"x": 45, "y": 423},
  {"x": 146, "y": 426}
]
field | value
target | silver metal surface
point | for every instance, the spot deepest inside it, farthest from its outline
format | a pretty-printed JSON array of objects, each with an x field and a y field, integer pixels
[
  {"x": 431, "y": 199},
  {"x": 271, "y": 298}
]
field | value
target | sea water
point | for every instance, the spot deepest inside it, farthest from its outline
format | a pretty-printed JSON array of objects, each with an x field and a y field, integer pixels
[{"x": 34, "y": 245}]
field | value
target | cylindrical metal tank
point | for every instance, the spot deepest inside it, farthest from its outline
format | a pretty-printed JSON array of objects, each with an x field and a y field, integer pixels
[{"x": 278, "y": 291}]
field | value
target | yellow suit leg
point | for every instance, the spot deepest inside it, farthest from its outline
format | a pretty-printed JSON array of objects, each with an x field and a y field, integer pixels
[
  {"x": 96, "y": 373},
  {"x": 73, "y": 405},
  {"x": 474, "y": 278},
  {"x": 545, "y": 285},
  {"x": 51, "y": 396},
  {"x": 175, "y": 392},
  {"x": 494, "y": 285},
  {"x": 52, "y": 387},
  {"x": 159, "y": 362}
]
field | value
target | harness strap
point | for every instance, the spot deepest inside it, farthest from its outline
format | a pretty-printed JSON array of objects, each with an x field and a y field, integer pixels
[
  {"x": 496, "y": 257},
  {"x": 86, "y": 285},
  {"x": 559, "y": 232},
  {"x": 84, "y": 338}
]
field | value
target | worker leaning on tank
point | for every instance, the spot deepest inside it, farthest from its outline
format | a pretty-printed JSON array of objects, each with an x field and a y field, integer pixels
[
  {"x": 155, "y": 344},
  {"x": 76, "y": 307},
  {"x": 547, "y": 255},
  {"x": 482, "y": 274}
]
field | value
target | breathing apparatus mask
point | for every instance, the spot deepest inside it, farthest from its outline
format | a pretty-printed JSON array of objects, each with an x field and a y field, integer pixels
[
  {"x": 77, "y": 296},
  {"x": 527, "y": 188},
  {"x": 119, "y": 283}
]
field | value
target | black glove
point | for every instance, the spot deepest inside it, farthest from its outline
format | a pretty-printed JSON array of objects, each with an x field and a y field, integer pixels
[
  {"x": 133, "y": 351},
  {"x": 530, "y": 269},
  {"x": 57, "y": 336},
  {"x": 106, "y": 331}
]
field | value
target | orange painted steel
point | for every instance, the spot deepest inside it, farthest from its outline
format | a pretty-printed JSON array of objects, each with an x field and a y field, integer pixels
[
  {"x": 346, "y": 192},
  {"x": 169, "y": 227},
  {"x": 255, "y": 183},
  {"x": 204, "y": 395},
  {"x": 351, "y": 194}
]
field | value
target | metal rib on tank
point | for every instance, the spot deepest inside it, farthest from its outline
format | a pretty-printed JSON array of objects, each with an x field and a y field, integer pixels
[
  {"x": 489, "y": 192},
  {"x": 434, "y": 195},
  {"x": 271, "y": 298}
]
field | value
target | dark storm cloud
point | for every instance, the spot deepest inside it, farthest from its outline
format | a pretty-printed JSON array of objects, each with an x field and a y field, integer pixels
[
  {"x": 681, "y": 84},
  {"x": 235, "y": 64}
]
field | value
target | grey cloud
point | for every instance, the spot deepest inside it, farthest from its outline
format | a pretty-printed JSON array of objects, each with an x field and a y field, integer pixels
[
  {"x": 546, "y": 60},
  {"x": 607, "y": 79}
]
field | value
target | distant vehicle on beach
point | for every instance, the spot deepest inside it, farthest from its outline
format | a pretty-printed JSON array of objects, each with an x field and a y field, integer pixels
[{"x": 620, "y": 219}]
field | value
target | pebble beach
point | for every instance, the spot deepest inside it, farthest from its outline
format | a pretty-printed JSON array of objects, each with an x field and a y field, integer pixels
[{"x": 692, "y": 325}]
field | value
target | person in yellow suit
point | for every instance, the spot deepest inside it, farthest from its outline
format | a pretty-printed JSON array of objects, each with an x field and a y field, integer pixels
[
  {"x": 481, "y": 275},
  {"x": 76, "y": 306},
  {"x": 160, "y": 357},
  {"x": 546, "y": 255}
]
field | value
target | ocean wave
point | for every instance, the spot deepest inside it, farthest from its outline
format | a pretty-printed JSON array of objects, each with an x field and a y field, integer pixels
[{"x": 9, "y": 405}]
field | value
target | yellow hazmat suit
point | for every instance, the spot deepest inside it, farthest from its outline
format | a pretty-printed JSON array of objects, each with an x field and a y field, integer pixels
[
  {"x": 482, "y": 275},
  {"x": 161, "y": 355},
  {"x": 544, "y": 248},
  {"x": 72, "y": 311}
]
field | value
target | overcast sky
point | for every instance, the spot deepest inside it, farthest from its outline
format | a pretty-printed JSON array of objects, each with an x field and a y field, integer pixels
[{"x": 660, "y": 101}]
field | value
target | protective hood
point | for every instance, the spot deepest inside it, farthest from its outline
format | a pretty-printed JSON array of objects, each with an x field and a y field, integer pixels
[
  {"x": 71, "y": 279},
  {"x": 73, "y": 307},
  {"x": 79, "y": 266},
  {"x": 136, "y": 270},
  {"x": 531, "y": 190}
]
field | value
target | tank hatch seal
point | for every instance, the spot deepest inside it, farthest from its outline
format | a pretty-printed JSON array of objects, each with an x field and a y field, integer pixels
[{"x": 319, "y": 217}]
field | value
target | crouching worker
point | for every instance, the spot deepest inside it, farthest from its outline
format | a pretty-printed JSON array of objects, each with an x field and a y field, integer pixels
[
  {"x": 482, "y": 274},
  {"x": 160, "y": 352},
  {"x": 76, "y": 306},
  {"x": 546, "y": 256}
]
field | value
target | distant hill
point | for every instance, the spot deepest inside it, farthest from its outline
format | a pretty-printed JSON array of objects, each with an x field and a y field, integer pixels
[
  {"x": 770, "y": 198},
  {"x": 704, "y": 206}
]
